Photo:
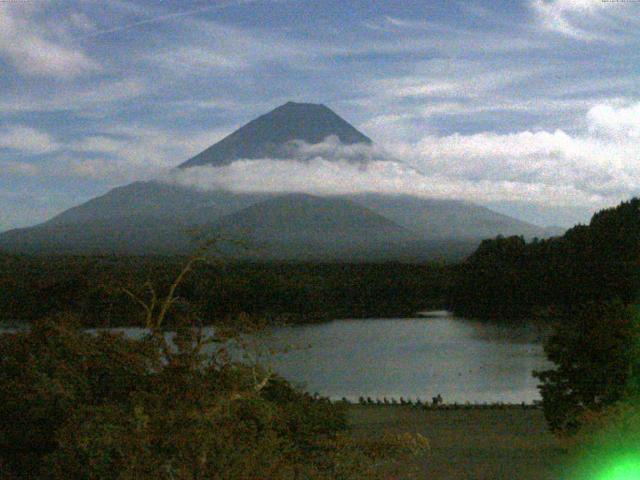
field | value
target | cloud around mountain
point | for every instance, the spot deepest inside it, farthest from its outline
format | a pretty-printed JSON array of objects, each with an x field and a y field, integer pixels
[
  {"x": 245, "y": 192},
  {"x": 592, "y": 168},
  {"x": 329, "y": 175}
]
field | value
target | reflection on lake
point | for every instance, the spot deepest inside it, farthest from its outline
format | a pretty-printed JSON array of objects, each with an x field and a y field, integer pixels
[{"x": 462, "y": 360}]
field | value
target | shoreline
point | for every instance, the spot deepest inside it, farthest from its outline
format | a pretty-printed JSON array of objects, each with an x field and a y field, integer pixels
[{"x": 407, "y": 403}]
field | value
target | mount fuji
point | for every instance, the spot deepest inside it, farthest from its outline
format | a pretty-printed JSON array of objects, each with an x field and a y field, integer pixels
[{"x": 155, "y": 217}]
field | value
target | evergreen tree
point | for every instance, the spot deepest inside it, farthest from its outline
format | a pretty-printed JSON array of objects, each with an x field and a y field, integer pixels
[{"x": 594, "y": 349}]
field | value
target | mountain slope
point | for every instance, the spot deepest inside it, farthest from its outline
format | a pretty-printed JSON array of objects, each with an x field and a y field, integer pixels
[
  {"x": 267, "y": 135},
  {"x": 446, "y": 219},
  {"x": 310, "y": 227},
  {"x": 154, "y": 217},
  {"x": 293, "y": 226},
  {"x": 135, "y": 235},
  {"x": 158, "y": 200}
]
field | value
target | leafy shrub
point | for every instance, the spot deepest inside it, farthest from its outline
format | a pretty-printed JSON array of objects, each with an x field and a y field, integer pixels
[
  {"x": 48, "y": 372},
  {"x": 76, "y": 404}
]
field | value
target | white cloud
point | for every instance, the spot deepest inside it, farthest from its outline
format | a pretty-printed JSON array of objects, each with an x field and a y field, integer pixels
[
  {"x": 615, "y": 121},
  {"x": 594, "y": 167},
  {"x": 26, "y": 140},
  {"x": 597, "y": 167},
  {"x": 95, "y": 169},
  {"x": 100, "y": 144},
  {"x": 190, "y": 60},
  {"x": 127, "y": 153},
  {"x": 587, "y": 20},
  {"x": 555, "y": 15},
  {"x": 331, "y": 147},
  {"x": 328, "y": 177},
  {"x": 81, "y": 21},
  {"x": 208, "y": 46},
  {"x": 438, "y": 87},
  {"x": 32, "y": 48},
  {"x": 451, "y": 79}
]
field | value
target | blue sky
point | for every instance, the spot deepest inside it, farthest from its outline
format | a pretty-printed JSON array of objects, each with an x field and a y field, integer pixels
[{"x": 523, "y": 106}]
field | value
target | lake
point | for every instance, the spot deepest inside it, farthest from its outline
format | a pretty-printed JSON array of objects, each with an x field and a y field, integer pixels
[{"x": 462, "y": 360}]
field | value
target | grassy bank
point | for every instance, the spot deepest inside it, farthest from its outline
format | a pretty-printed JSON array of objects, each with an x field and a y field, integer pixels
[{"x": 472, "y": 444}]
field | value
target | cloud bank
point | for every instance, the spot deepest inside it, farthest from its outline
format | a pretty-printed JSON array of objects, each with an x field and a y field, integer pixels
[
  {"x": 25, "y": 139},
  {"x": 600, "y": 166}
]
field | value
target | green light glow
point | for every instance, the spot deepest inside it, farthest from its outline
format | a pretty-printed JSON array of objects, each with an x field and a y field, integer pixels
[
  {"x": 609, "y": 448},
  {"x": 622, "y": 469}
]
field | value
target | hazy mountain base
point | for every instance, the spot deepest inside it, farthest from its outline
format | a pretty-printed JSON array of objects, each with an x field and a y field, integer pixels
[{"x": 155, "y": 218}]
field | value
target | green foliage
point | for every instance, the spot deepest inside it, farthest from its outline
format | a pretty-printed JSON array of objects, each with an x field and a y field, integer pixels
[
  {"x": 52, "y": 370},
  {"x": 585, "y": 282},
  {"x": 507, "y": 277},
  {"x": 594, "y": 349},
  {"x": 98, "y": 405},
  {"x": 76, "y": 404}
]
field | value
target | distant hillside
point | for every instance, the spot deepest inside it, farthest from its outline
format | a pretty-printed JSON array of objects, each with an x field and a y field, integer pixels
[
  {"x": 448, "y": 219},
  {"x": 300, "y": 226},
  {"x": 149, "y": 218},
  {"x": 136, "y": 235},
  {"x": 158, "y": 200}
]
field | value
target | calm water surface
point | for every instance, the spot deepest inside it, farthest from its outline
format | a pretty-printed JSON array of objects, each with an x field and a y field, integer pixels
[{"x": 462, "y": 360}]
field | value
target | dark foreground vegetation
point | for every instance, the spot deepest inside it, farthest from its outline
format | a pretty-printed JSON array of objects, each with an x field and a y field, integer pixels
[
  {"x": 93, "y": 288},
  {"x": 586, "y": 282},
  {"x": 75, "y": 405}
]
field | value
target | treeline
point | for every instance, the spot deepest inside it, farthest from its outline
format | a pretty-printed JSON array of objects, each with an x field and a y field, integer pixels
[
  {"x": 94, "y": 288},
  {"x": 510, "y": 278}
]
